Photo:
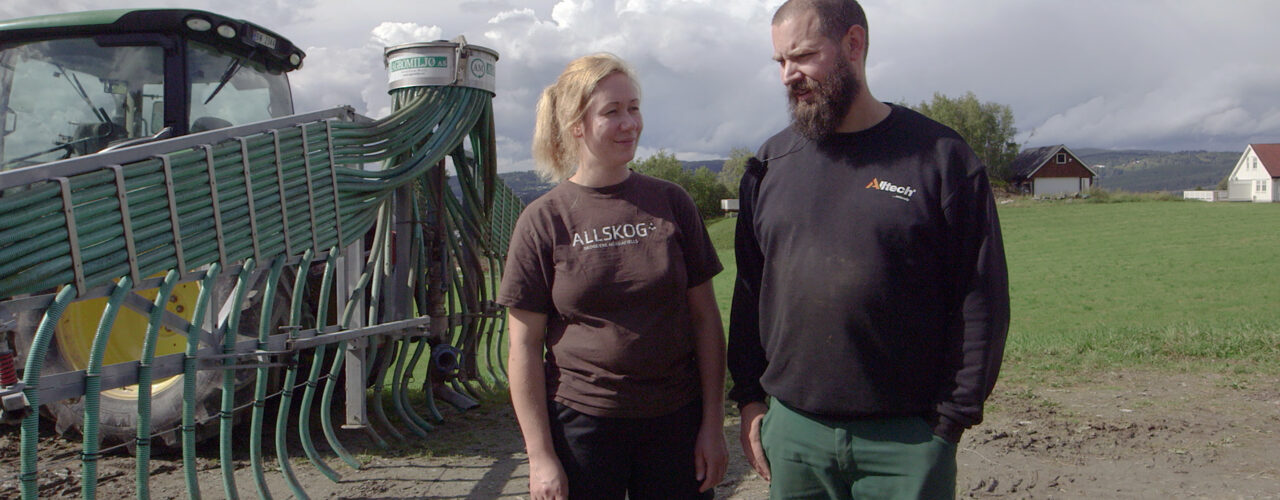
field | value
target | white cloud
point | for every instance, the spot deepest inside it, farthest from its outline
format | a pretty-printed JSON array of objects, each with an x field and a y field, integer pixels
[
  {"x": 697, "y": 61},
  {"x": 390, "y": 34},
  {"x": 1195, "y": 74}
]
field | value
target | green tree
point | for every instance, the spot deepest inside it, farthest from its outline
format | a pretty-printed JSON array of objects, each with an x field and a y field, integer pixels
[
  {"x": 986, "y": 126},
  {"x": 701, "y": 185},
  {"x": 662, "y": 165},
  {"x": 731, "y": 173}
]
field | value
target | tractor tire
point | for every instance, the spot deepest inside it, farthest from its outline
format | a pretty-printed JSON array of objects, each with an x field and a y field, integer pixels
[{"x": 118, "y": 408}]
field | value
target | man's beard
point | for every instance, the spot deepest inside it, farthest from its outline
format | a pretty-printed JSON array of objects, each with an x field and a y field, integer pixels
[{"x": 833, "y": 97}]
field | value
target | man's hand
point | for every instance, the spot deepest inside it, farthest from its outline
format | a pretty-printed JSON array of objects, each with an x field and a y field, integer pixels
[
  {"x": 547, "y": 480},
  {"x": 752, "y": 415},
  {"x": 710, "y": 455}
]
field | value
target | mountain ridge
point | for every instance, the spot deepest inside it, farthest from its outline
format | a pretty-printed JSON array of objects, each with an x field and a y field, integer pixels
[{"x": 1134, "y": 170}]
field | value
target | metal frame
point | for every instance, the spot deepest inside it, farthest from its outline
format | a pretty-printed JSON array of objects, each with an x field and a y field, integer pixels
[
  {"x": 71, "y": 384},
  {"x": 88, "y": 163},
  {"x": 122, "y": 195}
]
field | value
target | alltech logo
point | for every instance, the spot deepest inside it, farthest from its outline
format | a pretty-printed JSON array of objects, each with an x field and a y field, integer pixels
[{"x": 903, "y": 193}]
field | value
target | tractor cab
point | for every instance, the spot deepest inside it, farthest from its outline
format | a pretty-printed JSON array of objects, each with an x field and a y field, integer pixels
[{"x": 77, "y": 84}]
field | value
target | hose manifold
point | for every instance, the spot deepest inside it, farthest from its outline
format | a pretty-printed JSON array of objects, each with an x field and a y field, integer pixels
[{"x": 446, "y": 359}]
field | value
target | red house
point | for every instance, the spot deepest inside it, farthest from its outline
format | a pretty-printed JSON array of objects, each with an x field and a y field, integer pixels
[{"x": 1050, "y": 171}]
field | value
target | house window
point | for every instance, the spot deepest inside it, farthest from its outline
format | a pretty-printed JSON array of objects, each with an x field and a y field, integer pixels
[{"x": 1062, "y": 158}]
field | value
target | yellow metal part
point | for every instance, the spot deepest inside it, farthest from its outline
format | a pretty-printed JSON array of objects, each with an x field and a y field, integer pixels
[{"x": 74, "y": 334}]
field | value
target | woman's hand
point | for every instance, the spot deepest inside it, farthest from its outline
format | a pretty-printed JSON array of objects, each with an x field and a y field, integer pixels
[
  {"x": 525, "y": 378},
  {"x": 710, "y": 455},
  {"x": 547, "y": 480}
]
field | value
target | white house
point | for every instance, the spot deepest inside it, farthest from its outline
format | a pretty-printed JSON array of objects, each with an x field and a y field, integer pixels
[{"x": 1257, "y": 175}]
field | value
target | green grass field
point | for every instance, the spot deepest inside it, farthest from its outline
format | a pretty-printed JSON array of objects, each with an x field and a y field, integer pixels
[
  {"x": 1177, "y": 285},
  {"x": 1101, "y": 286}
]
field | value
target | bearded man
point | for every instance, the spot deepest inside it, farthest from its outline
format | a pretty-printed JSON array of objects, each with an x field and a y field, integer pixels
[{"x": 871, "y": 305}]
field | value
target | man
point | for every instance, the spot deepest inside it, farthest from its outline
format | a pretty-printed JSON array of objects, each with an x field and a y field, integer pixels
[{"x": 872, "y": 298}]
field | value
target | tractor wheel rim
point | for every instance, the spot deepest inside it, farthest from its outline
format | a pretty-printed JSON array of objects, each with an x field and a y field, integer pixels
[{"x": 76, "y": 329}]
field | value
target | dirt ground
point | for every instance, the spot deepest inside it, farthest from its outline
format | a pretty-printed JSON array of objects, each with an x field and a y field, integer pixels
[{"x": 1119, "y": 435}]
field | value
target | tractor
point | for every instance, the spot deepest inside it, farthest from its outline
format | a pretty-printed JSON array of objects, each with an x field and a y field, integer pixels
[{"x": 83, "y": 83}]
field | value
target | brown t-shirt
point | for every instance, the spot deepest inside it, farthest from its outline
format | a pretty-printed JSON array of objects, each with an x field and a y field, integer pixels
[{"x": 610, "y": 267}]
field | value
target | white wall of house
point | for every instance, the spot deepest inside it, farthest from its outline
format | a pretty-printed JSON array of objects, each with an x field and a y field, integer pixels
[
  {"x": 1238, "y": 190},
  {"x": 1250, "y": 181},
  {"x": 1051, "y": 186}
]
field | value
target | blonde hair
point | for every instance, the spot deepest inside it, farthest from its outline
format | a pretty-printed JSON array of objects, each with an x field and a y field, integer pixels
[{"x": 563, "y": 105}]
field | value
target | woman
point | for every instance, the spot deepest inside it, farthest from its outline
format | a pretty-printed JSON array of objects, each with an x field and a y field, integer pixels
[{"x": 610, "y": 273}]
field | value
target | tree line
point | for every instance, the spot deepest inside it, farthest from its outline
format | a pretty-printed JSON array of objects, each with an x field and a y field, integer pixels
[{"x": 986, "y": 126}]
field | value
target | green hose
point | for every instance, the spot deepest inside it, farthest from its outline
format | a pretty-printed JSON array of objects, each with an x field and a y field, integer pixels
[
  {"x": 326, "y": 398},
  {"x": 377, "y": 374},
  {"x": 93, "y": 388},
  {"x": 466, "y": 336},
  {"x": 260, "y": 384},
  {"x": 143, "y": 447},
  {"x": 31, "y": 381},
  {"x": 189, "y": 377},
  {"x": 422, "y": 273},
  {"x": 405, "y": 364},
  {"x": 398, "y": 382},
  {"x": 317, "y": 362},
  {"x": 226, "y": 431},
  {"x": 290, "y": 376},
  {"x": 326, "y": 407}
]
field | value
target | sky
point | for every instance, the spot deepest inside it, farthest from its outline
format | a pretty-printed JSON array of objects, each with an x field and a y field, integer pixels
[{"x": 1169, "y": 75}]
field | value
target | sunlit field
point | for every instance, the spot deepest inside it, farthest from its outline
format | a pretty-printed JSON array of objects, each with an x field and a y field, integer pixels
[{"x": 1175, "y": 285}]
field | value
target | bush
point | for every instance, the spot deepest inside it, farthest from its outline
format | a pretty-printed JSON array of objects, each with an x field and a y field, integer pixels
[{"x": 1098, "y": 195}]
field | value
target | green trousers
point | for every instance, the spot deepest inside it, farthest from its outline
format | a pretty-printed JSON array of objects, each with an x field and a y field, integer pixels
[{"x": 815, "y": 458}]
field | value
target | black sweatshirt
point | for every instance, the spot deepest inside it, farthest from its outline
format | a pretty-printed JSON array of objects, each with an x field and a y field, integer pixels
[{"x": 871, "y": 276}]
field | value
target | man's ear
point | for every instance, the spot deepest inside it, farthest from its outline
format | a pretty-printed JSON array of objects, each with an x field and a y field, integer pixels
[{"x": 854, "y": 43}]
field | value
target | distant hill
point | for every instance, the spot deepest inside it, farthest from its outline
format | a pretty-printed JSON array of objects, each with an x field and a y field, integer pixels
[
  {"x": 1131, "y": 170},
  {"x": 712, "y": 165},
  {"x": 1143, "y": 170},
  {"x": 528, "y": 187}
]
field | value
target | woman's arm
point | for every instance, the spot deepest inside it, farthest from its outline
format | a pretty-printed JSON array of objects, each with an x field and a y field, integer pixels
[
  {"x": 710, "y": 454},
  {"x": 527, "y": 333}
]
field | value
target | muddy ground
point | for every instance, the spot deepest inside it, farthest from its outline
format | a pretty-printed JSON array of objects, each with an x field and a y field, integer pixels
[{"x": 1118, "y": 435}]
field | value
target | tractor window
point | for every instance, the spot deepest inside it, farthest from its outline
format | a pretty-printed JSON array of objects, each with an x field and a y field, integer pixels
[
  {"x": 227, "y": 90},
  {"x": 71, "y": 97}
]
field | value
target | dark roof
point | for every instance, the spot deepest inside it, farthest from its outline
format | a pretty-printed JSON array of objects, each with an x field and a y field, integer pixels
[
  {"x": 1269, "y": 155},
  {"x": 1029, "y": 160}
]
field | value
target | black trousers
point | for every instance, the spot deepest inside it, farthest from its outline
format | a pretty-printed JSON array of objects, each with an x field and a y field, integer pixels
[{"x": 635, "y": 458}]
